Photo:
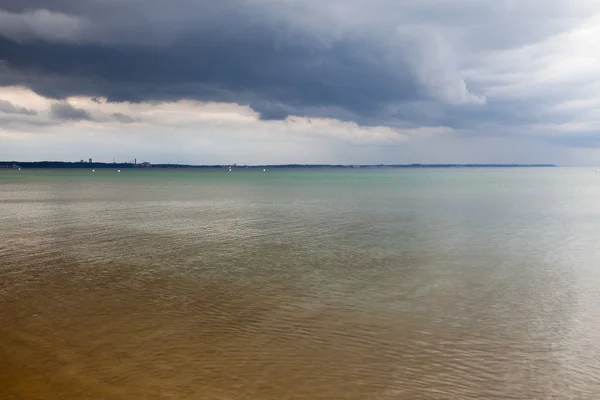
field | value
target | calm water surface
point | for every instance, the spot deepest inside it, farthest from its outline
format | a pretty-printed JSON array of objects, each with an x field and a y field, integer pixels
[{"x": 325, "y": 284}]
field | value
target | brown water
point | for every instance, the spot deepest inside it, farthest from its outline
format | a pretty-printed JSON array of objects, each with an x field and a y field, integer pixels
[{"x": 420, "y": 284}]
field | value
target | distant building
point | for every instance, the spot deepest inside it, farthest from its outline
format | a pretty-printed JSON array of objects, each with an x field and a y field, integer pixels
[
  {"x": 81, "y": 161},
  {"x": 13, "y": 165},
  {"x": 90, "y": 160}
]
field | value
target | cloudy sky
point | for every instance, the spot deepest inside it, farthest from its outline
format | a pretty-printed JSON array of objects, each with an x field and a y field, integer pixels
[{"x": 301, "y": 81}]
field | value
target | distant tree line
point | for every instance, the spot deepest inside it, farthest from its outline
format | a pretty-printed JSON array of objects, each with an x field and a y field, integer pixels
[{"x": 100, "y": 165}]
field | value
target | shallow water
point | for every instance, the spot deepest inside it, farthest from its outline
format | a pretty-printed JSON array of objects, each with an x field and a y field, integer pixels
[{"x": 300, "y": 284}]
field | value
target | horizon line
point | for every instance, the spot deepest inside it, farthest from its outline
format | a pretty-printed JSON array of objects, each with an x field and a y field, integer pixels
[{"x": 13, "y": 163}]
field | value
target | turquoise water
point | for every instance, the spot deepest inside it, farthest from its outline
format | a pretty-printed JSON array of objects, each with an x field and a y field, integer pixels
[{"x": 301, "y": 284}]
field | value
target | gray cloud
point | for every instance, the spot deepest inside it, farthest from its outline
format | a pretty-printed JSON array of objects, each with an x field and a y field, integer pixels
[
  {"x": 125, "y": 119},
  {"x": 39, "y": 24},
  {"x": 401, "y": 64},
  {"x": 9, "y": 108},
  {"x": 66, "y": 111},
  {"x": 275, "y": 82},
  {"x": 277, "y": 59}
]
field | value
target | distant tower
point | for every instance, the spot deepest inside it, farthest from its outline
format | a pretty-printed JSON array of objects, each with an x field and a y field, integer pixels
[
  {"x": 90, "y": 160},
  {"x": 135, "y": 161}
]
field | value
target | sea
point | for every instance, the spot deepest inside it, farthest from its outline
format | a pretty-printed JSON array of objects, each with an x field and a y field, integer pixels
[{"x": 449, "y": 283}]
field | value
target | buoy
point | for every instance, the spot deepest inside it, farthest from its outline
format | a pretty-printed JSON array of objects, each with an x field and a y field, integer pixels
[
  {"x": 19, "y": 169},
  {"x": 264, "y": 170},
  {"x": 93, "y": 170},
  {"x": 229, "y": 169},
  {"x": 118, "y": 170}
]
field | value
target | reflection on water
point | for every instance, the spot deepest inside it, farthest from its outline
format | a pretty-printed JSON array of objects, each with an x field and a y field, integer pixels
[{"x": 442, "y": 284}]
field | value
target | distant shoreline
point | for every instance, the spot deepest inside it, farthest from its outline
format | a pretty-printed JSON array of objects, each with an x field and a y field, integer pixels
[{"x": 100, "y": 165}]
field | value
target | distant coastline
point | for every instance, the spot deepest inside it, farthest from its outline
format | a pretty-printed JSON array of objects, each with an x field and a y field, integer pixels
[{"x": 145, "y": 165}]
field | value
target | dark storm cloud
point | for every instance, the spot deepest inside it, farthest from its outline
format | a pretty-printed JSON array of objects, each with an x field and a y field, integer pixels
[
  {"x": 9, "y": 108},
  {"x": 219, "y": 51},
  {"x": 274, "y": 81},
  {"x": 380, "y": 62},
  {"x": 66, "y": 111}
]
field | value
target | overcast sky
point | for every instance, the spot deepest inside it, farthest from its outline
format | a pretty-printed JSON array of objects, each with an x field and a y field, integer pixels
[{"x": 301, "y": 81}]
